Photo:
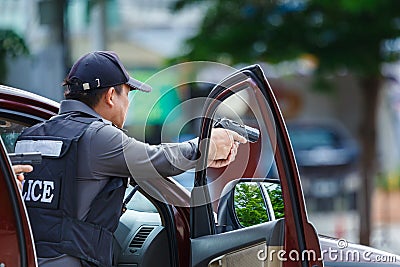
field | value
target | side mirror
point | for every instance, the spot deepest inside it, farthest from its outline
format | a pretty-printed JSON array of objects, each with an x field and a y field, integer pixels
[{"x": 247, "y": 202}]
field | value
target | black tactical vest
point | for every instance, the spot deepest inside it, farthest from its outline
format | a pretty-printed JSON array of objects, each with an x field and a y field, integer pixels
[{"x": 50, "y": 196}]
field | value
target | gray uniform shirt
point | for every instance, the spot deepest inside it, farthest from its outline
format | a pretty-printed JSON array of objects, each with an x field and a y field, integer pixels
[{"x": 105, "y": 152}]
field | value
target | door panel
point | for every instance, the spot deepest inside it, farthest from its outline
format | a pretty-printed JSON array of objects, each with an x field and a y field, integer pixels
[
  {"x": 244, "y": 247},
  {"x": 10, "y": 129}
]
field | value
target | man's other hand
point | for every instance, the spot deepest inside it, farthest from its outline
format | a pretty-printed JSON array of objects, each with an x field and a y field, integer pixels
[{"x": 19, "y": 171}]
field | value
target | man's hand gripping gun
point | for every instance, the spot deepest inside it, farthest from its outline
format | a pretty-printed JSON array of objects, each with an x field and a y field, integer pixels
[{"x": 251, "y": 134}]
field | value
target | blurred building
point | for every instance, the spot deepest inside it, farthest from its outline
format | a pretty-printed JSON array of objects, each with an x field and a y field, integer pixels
[
  {"x": 41, "y": 71},
  {"x": 143, "y": 32}
]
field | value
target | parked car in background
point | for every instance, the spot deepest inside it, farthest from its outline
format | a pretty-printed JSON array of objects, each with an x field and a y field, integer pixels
[
  {"x": 327, "y": 156},
  {"x": 166, "y": 225}
]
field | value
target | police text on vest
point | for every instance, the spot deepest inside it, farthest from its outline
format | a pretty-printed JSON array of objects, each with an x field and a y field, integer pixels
[{"x": 38, "y": 191}]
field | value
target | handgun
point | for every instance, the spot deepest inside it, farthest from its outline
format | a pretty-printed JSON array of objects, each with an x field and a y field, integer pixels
[
  {"x": 251, "y": 134},
  {"x": 28, "y": 158}
]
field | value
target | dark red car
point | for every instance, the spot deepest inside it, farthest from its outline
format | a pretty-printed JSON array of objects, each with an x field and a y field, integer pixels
[{"x": 251, "y": 213}]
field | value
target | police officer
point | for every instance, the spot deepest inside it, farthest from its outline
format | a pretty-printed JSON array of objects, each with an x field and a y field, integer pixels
[{"x": 74, "y": 197}]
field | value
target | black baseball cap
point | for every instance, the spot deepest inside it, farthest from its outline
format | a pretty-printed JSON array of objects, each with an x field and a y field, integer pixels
[{"x": 101, "y": 69}]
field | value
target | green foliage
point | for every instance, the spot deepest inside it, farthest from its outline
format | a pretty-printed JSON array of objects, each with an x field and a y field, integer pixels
[
  {"x": 340, "y": 35},
  {"x": 389, "y": 181},
  {"x": 250, "y": 207},
  {"x": 10, "y": 44},
  {"x": 275, "y": 194}
]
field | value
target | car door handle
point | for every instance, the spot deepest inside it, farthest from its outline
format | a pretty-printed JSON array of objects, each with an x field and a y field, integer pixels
[{"x": 216, "y": 262}]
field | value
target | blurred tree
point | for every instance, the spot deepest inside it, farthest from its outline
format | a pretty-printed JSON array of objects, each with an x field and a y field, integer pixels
[
  {"x": 341, "y": 35},
  {"x": 11, "y": 44}
]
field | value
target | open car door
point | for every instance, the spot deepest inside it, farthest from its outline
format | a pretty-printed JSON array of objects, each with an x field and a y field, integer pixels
[
  {"x": 221, "y": 234},
  {"x": 16, "y": 242},
  {"x": 18, "y": 110}
]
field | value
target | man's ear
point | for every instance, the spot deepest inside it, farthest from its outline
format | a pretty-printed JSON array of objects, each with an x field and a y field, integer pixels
[{"x": 108, "y": 96}]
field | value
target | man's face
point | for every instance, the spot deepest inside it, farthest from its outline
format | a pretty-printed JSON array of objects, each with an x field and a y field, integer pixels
[{"x": 121, "y": 106}]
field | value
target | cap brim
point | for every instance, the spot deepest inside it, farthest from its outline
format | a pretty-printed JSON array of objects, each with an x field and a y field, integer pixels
[{"x": 137, "y": 85}]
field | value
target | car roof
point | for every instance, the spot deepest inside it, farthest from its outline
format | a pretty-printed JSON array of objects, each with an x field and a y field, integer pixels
[
  {"x": 21, "y": 100},
  {"x": 26, "y": 94}
]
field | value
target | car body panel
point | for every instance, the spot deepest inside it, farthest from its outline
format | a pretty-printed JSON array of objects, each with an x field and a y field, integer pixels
[
  {"x": 26, "y": 103},
  {"x": 339, "y": 252}
]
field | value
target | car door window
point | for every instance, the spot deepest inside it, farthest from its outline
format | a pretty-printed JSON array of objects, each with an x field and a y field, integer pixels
[
  {"x": 254, "y": 160},
  {"x": 9, "y": 131},
  {"x": 138, "y": 202}
]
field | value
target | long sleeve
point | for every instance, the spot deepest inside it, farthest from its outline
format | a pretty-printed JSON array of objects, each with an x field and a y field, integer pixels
[{"x": 118, "y": 154}]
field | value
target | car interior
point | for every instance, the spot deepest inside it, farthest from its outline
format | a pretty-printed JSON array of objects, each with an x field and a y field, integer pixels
[{"x": 140, "y": 234}]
